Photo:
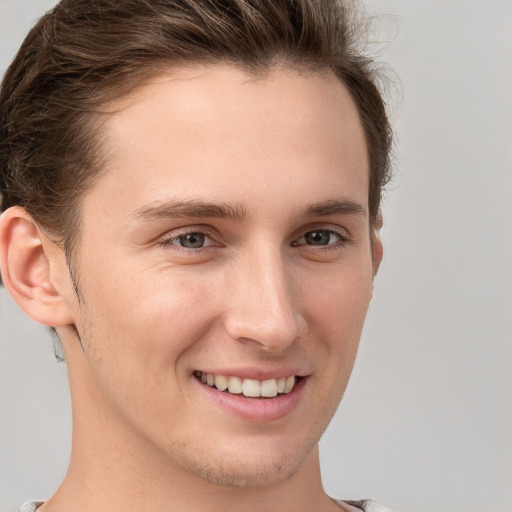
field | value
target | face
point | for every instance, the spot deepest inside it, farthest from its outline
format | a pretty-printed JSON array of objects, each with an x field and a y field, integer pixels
[{"x": 227, "y": 241}]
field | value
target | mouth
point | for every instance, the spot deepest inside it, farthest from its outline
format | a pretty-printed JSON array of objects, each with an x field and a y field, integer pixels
[{"x": 250, "y": 388}]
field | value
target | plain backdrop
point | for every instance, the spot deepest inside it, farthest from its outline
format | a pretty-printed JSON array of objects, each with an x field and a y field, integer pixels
[{"x": 426, "y": 423}]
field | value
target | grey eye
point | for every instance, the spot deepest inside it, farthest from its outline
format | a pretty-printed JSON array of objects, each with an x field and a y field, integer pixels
[
  {"x": 191, "y": 240},
  {"x": 319, "y": 237}
]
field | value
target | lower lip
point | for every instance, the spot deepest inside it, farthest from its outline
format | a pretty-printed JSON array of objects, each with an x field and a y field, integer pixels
[{"x": 256, "y": 409}]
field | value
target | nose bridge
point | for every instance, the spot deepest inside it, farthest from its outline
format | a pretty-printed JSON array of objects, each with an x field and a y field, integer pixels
[{"x": 264, "y": 307}]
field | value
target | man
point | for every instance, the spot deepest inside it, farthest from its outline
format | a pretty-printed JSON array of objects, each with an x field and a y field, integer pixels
[{"x": 190, "y": 197}]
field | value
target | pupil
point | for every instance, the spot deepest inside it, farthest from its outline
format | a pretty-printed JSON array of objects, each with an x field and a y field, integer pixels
[
  {"x": 192, "y": 240},
  {"x": 317, "y": 237}
]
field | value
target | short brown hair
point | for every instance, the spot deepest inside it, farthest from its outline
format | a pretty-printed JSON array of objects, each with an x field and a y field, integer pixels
[{"x": 84, "y": 53}]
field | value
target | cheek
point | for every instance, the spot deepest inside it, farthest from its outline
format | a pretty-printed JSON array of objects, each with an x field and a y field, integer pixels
[
  {"x": 137, "y": 337},
  {"x": 336, "y": 308},
  {"x": 148, "y": 322},
  {"x": 172, "y": 308}
]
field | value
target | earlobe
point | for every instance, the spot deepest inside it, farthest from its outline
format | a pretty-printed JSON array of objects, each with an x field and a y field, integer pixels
[{"x": 26, "y": 267}]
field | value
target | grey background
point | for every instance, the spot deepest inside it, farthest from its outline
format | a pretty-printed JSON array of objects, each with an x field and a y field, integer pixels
[{"x": 426, "y": 423}]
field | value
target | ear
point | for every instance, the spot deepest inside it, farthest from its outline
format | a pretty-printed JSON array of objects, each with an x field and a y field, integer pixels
[
  {"x": 34, "y": 269},
  {"x": 377, "y": 249}
]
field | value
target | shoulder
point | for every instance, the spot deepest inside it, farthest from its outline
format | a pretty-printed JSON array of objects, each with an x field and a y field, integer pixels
[{"x": 364, "y": 505}]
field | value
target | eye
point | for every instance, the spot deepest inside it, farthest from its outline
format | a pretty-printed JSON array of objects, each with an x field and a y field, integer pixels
[
  {"x": 193, "y": 240},
  {"x": 321, "y": 237}
]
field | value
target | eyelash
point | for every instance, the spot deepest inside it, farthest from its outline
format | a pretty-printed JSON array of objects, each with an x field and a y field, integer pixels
[
  {"x": 173, "y": 239},
  {"x": 343, "y": 239}
]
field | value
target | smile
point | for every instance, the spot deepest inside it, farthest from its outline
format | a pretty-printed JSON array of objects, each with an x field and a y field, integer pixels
[{"x": 253, "y": 388}]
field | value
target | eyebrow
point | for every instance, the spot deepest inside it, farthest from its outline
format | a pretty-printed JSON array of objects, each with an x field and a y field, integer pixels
[
  {"x": 335, "y": 207},
  {"x": 203, "y": 209},
  {"x": 200, "y": 209}
]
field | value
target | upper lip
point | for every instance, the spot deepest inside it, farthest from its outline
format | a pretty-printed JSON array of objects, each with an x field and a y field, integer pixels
[{"x": 257, "y": 373}]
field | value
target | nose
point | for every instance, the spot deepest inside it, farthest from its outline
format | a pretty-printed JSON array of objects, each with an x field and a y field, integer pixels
[{"x": 263, "y": 305}]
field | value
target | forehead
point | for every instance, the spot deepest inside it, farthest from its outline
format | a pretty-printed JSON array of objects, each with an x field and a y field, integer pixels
[{"x": 222, "y": 133}]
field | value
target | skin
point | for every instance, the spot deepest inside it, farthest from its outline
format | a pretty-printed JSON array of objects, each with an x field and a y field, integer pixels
[{"x": 260, "y": 294}]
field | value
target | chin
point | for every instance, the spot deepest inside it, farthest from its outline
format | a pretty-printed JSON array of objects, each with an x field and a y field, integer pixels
[
  {"x": 244, "y": 470},
  {"x": 246, "y": 475}
]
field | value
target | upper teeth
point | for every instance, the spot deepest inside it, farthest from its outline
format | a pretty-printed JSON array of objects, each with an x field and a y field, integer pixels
[{"x": 249, "y": 387}]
